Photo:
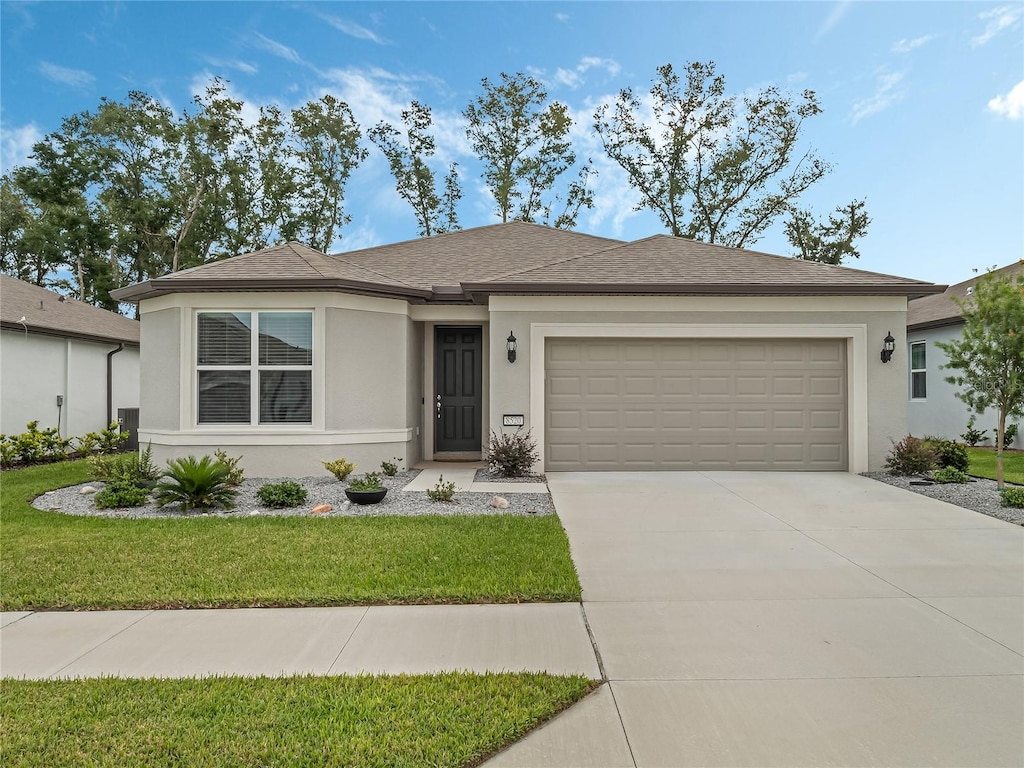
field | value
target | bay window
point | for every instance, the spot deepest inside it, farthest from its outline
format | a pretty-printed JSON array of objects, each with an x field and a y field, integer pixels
[{"x": 254, "y": 367}]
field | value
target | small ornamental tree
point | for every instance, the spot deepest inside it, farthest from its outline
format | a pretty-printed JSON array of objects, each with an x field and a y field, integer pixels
[{"x": 989, "y": 357}]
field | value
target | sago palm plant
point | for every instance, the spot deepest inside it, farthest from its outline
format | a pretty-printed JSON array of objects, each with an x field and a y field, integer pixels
[{"x": 195, "y": 484}]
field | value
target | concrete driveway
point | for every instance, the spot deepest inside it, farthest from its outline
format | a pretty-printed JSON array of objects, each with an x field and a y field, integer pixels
[{"x": 784, "y": 619}]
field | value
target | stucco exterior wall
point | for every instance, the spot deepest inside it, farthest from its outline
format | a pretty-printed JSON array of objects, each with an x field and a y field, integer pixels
[
  {"x": 160, "y": 375},
  {"x": 365, "y": 353},
  {"x": 880, "y": 415},
  {"x": 941, "y": 413},
  {"x": 35, "y": 368}
]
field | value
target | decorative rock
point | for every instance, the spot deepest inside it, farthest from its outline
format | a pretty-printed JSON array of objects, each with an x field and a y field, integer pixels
[
  {"x": 499, "y": 503},
  {"x": 87, "y": 489},
  {"x": 254, "y": 512},
  {"x": 321, "y": 509}
]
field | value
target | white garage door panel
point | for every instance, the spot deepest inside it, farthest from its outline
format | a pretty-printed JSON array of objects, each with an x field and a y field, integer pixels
[{"x": 695, "y": 404}]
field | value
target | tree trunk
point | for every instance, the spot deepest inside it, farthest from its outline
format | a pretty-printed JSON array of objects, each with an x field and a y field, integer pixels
[{"x": 1000, "y": 433}]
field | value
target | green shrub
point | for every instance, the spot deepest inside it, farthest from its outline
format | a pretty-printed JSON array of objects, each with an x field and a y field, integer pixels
[
  {"x": 121, "y": 493},
  {"x": 340, "y": 468},
  {"x": 950, "y": 475},
  {"x": 195, "y": 484},
  {"x": 512, "y": 455},
  {"x": 87, "y": 444},
  {"x": 1009, "y": 434},
  {"x": 34, "y": 445},
  {"x": 441, "y": 491},
  {"x": 112, "y": 439},
  {"x": 910, "y": 456},
  {"x": 284, "y": 494},
  {"x": 949, "y": 453},
  {"x": 135, "y": 468},
  {"x": 1012, "y": 497},
  {"x": 390, "y": 468},
  {"x": 236, "y": 475},
  {"x": 973, "y": 436},
  {"x": 369, "y": 482}
]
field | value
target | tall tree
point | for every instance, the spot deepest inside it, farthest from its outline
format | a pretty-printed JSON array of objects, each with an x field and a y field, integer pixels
[
  {"x": 525, "y": 150},
  {"x": 828, "y": 241},
  {"x": 710, "y": 168},
  {"x": 327, "y": 150},
  {"x": 408, "y": 152},
  {"x": 989, "y": 356}
]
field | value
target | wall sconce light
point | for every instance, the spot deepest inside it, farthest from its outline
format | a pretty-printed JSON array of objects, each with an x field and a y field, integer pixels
[
  {"x": 888, "y": 347},
  {"x": 510, "y": 343}
]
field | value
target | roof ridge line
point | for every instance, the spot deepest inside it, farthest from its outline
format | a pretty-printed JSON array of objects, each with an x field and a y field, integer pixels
[
  {"x": 566, "y": 260},
  {"x": 394, "y": 280}
]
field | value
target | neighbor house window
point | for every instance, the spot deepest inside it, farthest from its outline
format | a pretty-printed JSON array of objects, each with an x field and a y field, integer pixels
[
  {"x": 918, "y": 374},
  {"x": 254, "y": 367}
]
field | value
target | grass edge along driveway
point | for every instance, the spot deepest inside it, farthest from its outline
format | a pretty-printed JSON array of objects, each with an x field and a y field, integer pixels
[
  {"x": 451, "y": 719},
  {"x": 51, "y": 561}
]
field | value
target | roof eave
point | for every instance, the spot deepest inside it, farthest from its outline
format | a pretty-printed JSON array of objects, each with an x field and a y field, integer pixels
[
  {"x": 479, "y": 291},
  {"x": 941, "y": 322},
  {"x": 165, "y": 286},
  {"x": 57, "y": 332}
]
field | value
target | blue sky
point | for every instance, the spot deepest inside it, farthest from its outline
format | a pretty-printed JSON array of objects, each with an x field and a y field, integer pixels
[{"x": 923, "y": 102}]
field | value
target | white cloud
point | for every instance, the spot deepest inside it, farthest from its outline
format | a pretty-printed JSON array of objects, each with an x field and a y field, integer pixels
[
  {"x": 241, "y": 66},
  {"x": 76, "y": 78},
  {"x": 573, "y": 78},
  {"x": 275, "y": 48},
  {"x": 562, "y": 17},
  {"x": 998, "y": 20},
  {"x": 1011, "y": 105},
  {"x": 832, "y": 20},
  {"x": 351, "y": 29},
  {"x": 886, "y": 94},
  {"x": 377, "y": 94},
  {"x": 17, "y": 145},
  {"x": 906, "y": 46}
]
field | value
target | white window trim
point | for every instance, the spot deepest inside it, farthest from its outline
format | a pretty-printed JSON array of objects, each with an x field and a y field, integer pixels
[
  {"x": 316, "y": 373},
  {"x": 913, "y": 370},
  {"x": 856, "y": 363}
]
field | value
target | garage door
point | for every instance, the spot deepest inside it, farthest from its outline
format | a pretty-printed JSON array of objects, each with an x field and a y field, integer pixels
[{"x": 776, "y": 404}]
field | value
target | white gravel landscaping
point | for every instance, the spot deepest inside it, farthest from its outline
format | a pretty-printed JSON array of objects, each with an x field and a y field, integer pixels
[
  {"x": 981, "y": 495},
  {"x": 320, "y": 490}
]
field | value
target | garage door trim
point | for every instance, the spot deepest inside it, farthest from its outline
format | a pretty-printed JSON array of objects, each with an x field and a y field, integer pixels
[{"x": 856, "y": 363}]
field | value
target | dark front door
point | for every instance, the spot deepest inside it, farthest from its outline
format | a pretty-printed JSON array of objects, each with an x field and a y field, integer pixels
[{"x": 458, "y": 376}]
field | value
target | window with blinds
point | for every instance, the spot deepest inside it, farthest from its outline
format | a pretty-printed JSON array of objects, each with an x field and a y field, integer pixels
[{"x": 254, "y": 367}]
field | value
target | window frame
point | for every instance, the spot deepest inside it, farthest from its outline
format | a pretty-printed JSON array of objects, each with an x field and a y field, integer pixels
[
  {"x": 254, "y": 369},
  {"x": 923, "y": 371}
]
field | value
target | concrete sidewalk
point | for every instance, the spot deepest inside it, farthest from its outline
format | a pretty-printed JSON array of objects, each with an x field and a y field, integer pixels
[
  {"x": 549, "y": 637},
  {"x": 463, "y": 475}
]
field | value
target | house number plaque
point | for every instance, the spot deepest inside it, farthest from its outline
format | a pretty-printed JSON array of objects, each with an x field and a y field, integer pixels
[{"x": 513, "y": 420}]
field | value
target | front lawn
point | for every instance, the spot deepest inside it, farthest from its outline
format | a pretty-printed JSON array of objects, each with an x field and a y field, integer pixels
[
  {"x": 983, "y": 464},
  {"x": 453, "y": 719},
  {"x": 54, "y": 561}
]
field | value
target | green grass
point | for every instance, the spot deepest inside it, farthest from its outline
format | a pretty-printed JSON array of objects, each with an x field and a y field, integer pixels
[
  {"x": 54, "y": 561},
  {"x": 452, "y": 719},
  {"x": 983, "y": 464}
]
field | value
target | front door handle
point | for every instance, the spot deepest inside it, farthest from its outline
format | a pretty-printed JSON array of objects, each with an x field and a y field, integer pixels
[{"x": 439, "y": 406}]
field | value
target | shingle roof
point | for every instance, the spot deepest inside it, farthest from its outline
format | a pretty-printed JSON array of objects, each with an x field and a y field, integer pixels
[
  {"x": 471, "y": 263},
  {"x": 940, "y": 309},
  {"x": 48, "y": 312},
  {"x": 663, "y": 260},
  {"x": 474, "y": 255}
]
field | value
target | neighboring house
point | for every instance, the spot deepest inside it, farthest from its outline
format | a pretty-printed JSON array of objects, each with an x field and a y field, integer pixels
[
  {"x": 63, "y": 363},
  {"x": 662, "y": 353},
  {"x": 933, "y": 408}
]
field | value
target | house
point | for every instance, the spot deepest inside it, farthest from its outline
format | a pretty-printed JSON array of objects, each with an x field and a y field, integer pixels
[
  {"x": 63, "y": 363},
  {"x": 662, "y": 353},
  {"x": 933, "y": 408}
]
